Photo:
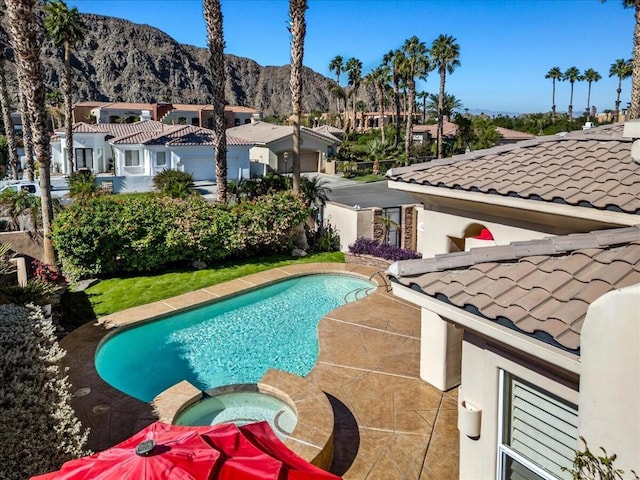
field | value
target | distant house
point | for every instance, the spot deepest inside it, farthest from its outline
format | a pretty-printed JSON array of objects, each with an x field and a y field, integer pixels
[
  {"x": 529, "y": 288},
  {"x": 138, "y": 151},
  {"x": 273, "y": 146},
  {"x": 423, "y": 133},
  {"x": 182, "y": 114}
]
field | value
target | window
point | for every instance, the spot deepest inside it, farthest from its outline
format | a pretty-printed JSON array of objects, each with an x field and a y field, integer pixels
[
  {"x": 161, "y": 159},
  {"x": 131, "y": 158},
  {"x": 83, "y": 157},
  {"x": 538, "y": 432}
]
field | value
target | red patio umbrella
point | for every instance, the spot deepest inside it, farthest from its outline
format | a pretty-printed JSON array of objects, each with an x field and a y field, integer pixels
[
  {"x": 219, "y": 452},
  {"x": 160, "y": 451}
]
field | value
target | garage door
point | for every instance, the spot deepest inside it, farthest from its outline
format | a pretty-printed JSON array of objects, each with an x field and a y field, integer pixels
[
  {"x": 202, "y": 168},
  {"x": 309, "y": 161}
]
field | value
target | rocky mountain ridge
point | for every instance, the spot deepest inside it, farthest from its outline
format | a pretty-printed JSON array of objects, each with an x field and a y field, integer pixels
[{"x": 123, "y": 61}]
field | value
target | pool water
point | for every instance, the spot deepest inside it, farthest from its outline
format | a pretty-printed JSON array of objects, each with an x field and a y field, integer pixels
[
  {"x": 242, "y": 408},
  {"x": 233, "y": 341}
]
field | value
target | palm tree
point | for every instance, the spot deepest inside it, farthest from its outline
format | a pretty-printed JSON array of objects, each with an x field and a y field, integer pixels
[
  {"x": 444, "y": 56},
  {"x": 417, "y": 65},
  {"x": 22, "y": 16},
  {"x": 353, "y": 68},
  {"x": 337, "y": 65},
  {"x": 379, "y": 78},
  {"x": 5, "y": 104},
  {"x": 65, "y": 27},
  {"x": 27, "y": 138},
  {"x": 590, "y": 76},
  {"x": 394, "y": 60},
  {"x": 554, "y": 74},
  {"x": 423, "y": 96},
  {"x": 337, "y": 91},
  {"x": 315, "y": 192},
  {"x": 298, "y": 29},
  {"x": 635, "y": 76},
  {"x": 215, "y": 37},
  {"x": 572, "y": 75},
  {"x": 377, "y": 148},
  {"x": 450, "y": 104},
  {"x": 622, "y": 69}
]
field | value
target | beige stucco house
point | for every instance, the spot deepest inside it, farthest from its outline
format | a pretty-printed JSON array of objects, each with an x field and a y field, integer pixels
[
  {"x": 274, "y": 146},
  {"x": 530, "y": 297}
]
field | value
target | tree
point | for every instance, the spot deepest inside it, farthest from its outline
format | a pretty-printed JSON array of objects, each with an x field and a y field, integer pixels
[
  {"x": 22, "y": 16},
  {"x": 416, "y": 65},
  {"x": 394, "y": 60},
  {"x": 485, "y": 133},
  {"x": 66, "y": 29},
  {"x": 571, "y": 75},
  {"x": 215, "y": 39},
  {"x": 622, "y": 69},
  {"x": 298, "y": 30},
  {"x": 314, "y": 192},
  {"x": 353, "y": 68},
  {"x": 634, "y": 112},
  {"x": 450, "y": 104},
  {"x": 31, "y": 378},
  {"x": 27, "y": 138},
  {"x": 423, "y": 96},
  {"x": 554, "y": 74},
  {"x": 379, "y": 78},
  {"x": 377, "y": 148},
  {"x": 590, "y": 76},
  {"x": 444, "y": 56},
  {"x": 466, "y": 134},
  {"x": 9, "y": 132},
  {"x": 337, "y": 65},
  {"x": 337, "y": 91}
]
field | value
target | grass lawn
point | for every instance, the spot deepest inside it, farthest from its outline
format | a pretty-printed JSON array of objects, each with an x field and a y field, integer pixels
[{"x": 115, "y": 294}]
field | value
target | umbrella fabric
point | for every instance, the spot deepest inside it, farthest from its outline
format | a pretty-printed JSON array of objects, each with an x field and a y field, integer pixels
[
  {"x": 294, "y": 467},
  {"x": 180, "y": 453},
  {"x": 239, "y": 458}
]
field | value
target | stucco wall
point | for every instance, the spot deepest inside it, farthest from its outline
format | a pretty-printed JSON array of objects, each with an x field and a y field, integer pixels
[
  {"x": 481, "y": 363},
  {"x": 434, "y": 229},
  {"x": 349, "y": 222},
  {"x": 610, "y": 379}
]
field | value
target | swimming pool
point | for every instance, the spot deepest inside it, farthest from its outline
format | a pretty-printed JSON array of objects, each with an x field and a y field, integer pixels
[{"x": 232, "y": 341}]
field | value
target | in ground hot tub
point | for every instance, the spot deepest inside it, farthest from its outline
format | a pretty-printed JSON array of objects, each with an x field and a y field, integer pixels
[{"x": 240, "y": 404}]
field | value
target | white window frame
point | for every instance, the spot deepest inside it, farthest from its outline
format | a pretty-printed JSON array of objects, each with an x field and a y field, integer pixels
[
  {"x": 504, "y": 451},
  {"x": 137, "y": 155}
]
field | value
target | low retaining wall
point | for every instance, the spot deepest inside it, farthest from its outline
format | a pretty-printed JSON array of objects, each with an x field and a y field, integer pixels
[{"x": 370, "y": 260}]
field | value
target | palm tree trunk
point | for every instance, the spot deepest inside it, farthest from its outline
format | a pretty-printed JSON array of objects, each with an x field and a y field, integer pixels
[
  {"x": 553, "y": 99},
  {"x": 571, "y": 103},
  {"x": 443, "y": 73},
  {"x": 297, "y": 10},
  {"x": 635, "y": 77},
  {"x": 618, "y": 98},
  {"x": 380, "y": 89},
  {"x": 213, "y": 19},
  {"x": 68, "y": 119},
  {"x": 396, "y": 103},
  {"x": 22, "y": 17},
  {"x": 408, "y": 133},
  {"x": 8, "y": 123},
  {"x": 589, "y": 102},
  {"x": 27, "y": 138}
]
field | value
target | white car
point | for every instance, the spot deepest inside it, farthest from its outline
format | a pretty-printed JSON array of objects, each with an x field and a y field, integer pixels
[{"x": 32, "y": 188}]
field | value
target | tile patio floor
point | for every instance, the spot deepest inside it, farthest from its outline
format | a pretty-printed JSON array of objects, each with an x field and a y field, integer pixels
[{"x": 389, "y": 424}]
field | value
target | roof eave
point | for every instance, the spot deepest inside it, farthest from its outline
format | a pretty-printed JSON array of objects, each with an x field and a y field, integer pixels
[
  {"x": 542, "y": 351},
  {"x": 586, "y": 213}
]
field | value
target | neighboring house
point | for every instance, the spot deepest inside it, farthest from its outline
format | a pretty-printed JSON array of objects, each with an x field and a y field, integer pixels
[
  {"x": 329, "y": 130},
  {"x": 273, "y": 146},
  {"x": 424, "y": 133},
  {"x": 183, "y": 114},
  {"x": 138, "y": 151},
  {"x": 541, "y": 329}
]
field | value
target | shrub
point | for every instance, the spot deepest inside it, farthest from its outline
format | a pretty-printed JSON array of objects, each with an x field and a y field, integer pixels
[
  {"x": 82, "y": 186},
  {"x": 44, "y": 272},
  {"x": 117, "y": 234},
  {"x": 174, "y": 183},
  {"x": 35, "y": 292},
  {"x": 368, "y": 246},
  {"x": 39, "y": 428},
  {"x": 325, "y": 239}
]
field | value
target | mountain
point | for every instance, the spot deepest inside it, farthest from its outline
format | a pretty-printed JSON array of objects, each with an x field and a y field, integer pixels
[{"x": 123, "y": 61}]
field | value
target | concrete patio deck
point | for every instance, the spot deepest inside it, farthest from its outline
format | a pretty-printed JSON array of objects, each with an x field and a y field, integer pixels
[{"x": 389, "y": 424}]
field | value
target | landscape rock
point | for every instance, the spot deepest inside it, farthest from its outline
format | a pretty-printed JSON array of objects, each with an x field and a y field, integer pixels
[
  {"x": 297, "y": 252},
  {"x": 198, "y": 265}
]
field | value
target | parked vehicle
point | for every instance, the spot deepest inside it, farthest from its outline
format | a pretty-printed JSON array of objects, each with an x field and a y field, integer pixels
[{"x": 32, "y": 188}]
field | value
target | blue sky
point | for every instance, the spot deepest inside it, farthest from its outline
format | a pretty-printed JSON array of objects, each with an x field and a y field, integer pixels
[{"x": 506, "y": 47}]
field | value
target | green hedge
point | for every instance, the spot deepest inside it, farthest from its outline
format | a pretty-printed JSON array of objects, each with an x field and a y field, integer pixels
[{"x": 114, "y": 234}]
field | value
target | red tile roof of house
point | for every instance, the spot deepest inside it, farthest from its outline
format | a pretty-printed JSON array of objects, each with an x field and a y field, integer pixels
[
  {"x": 591, "y": 168},
  {"x": 541, "y": 287}
]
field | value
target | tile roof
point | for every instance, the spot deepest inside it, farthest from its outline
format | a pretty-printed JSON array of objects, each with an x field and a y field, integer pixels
[
  {"x": 150, "y": 132},
  {"x": 591, "y": 168},
  {"x": 509, "y": 134},
  {"x": 541, "y": 287},
  {"x": 263, "y": 132}
]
